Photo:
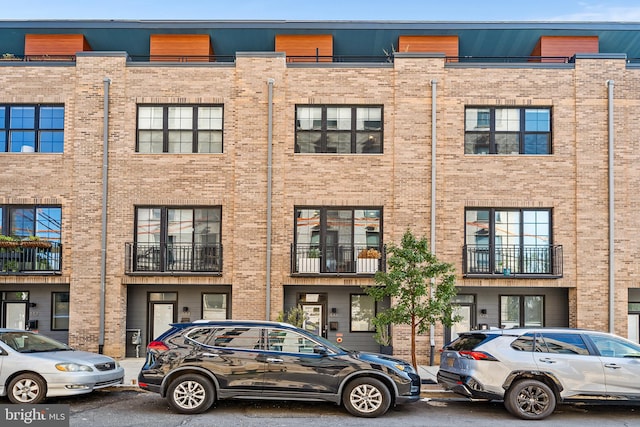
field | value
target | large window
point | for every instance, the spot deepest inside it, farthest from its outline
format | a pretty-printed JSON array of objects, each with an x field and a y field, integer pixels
[
  {"x": 490, "y": 130},
  {"x": 508, "y": 241},
  {"x": 363, "y": 311},
  {"x": 31, "y": 128},
  {"x": 60, "y": 311},
  {"x": 179, "y": 129},
  {"x": 214, "y": 306},
  {"x": 44, "y": 222},
  {"x": 338, "y": 129},
  {"x": 178, "y": 238},
  {"x": 338, "y": 237},
  {"x": 521, "y": 311}
]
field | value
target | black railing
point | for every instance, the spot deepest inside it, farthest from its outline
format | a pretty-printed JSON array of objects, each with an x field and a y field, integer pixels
[
  {"x": 337, "y": 259},
  {"x": 31, "y": 256},
  {"x": 177, "y": 257},
  {"x": 512, "y": 260},
  {"x": 183, "y": 58},
  {"x": 511, "y": 59}
]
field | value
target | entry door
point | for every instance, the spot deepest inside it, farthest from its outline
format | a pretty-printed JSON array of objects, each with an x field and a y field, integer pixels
[
  {"x": 464, "y": 324},
  {"x": 314, "y": 319},
  {"x": 162, "y": 315},
  {"x": 15, "y": 315}
]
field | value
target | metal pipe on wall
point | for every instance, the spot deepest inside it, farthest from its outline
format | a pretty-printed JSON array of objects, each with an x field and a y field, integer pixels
[
  {"x": 612, "y": 286},
  {"x": 434, "y": 93},
  {"x": 270, "y": 83},
  {"x": 105, "y": 186}
]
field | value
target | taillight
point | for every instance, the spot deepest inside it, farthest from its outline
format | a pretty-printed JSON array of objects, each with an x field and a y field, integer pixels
[
  {"x": 477, "y": 355},
  {"x": 157, "y": 346}
]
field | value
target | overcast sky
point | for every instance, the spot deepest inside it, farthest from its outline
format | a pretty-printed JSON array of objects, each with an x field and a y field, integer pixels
[{"x": 388, "y": 10}]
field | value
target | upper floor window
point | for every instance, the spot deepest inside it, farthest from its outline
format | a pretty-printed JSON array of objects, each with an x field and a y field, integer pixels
[
  {"x": 44, "y": 222},
  {"x": 338, "y": 129},
  {"x": 180, "y": 129},
  {"x": 32, "y": 128},
  {"x": 491, "y": 130},
  {"x": 182, "y": 239}
]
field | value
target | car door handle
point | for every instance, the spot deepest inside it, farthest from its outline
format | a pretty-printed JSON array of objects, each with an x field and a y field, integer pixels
[
  {"x": 209, "y": 355},
  {"x": 274, "y": 360},
  {"x": 612, "y": 366},
  {"x": 547, "y": 360}
]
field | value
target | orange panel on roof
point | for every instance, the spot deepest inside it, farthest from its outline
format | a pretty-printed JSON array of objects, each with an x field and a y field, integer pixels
[
  {"x": 564, "y": 46},
  {"x": 55, "y": 44},
  {"x": 180, "y": 47},
  {"x": 306, "y": 47},
  {"x": 434, "y": 44}
]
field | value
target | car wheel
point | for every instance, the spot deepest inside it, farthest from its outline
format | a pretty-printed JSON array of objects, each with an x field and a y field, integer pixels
[
  {"x": 27, "y": 388},
  {"x": 530, "y": 400},
  {"x": 366, "y": 397},
  {"x": 190, "y": 394}
]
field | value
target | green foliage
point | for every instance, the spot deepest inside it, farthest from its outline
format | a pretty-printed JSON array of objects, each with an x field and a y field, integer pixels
[
  {"x": 420, "y": 287},
  {"x": 294, "y": 316}
]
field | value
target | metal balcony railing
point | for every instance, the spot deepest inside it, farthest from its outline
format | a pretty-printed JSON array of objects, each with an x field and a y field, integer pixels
[
  {"x": 174, "y": 258},
  {"x": 337, "y": 259},
  {"x": 31, "y": 257},
  {"x": 512, "y": 260}
]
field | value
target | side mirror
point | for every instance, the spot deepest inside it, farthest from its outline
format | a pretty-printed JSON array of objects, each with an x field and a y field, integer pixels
[{"x": 320, "y": 349}]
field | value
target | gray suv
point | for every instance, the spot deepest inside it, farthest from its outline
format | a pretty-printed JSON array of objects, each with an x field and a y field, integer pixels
[{"x": 533, "y": 369}]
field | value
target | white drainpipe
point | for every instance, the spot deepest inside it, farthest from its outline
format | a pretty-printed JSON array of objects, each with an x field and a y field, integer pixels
[{"x": 612, "y": 286}]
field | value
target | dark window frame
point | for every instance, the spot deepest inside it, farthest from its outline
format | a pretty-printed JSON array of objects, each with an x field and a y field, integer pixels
[
  {"x": 375, "y": 312},
  {"x": 325, "y": 131},
  {"x": 53, "y": 310},
  {"x": 6, "y": 130},
  {"x": 6, "y": 224},
  {"x": 522, "y": 132},
  {"x": 165, "y": 128},
  {"x": 522, "y": 315}
]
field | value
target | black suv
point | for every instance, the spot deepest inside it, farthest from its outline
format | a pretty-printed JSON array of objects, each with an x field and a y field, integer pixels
[{"x": 194, "y": 364}]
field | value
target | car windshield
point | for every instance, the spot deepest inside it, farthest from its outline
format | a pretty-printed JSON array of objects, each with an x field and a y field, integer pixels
[{"x": 28, "y": 342}]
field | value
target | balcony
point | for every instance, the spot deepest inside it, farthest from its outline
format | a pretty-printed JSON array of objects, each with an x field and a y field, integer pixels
[
  {"x": 512, "y": 261},
  {"x": 43, "y": 257},
  {"x": 337, "y": 260},
  {"x": 153, "y": 258}
]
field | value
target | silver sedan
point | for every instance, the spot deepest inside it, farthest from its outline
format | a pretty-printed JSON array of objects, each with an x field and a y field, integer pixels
[{"x": 33, "y": 367}]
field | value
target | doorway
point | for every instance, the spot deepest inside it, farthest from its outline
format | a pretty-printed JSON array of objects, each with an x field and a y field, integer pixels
[
  {"x": 15, "y": 315},
  {"x": 314, "y": 306},
  {"x": 162, "y": 312}
]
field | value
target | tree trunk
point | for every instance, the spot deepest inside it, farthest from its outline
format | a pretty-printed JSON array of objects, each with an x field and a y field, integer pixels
[{"x": 414, "y": 360}]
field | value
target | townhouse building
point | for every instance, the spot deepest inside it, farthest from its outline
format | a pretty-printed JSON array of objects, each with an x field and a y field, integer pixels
[{"x": 155, "y": 172}]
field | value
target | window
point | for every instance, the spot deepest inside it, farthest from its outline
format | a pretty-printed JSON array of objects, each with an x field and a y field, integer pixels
[
  {"x": 180, "y": 129},
  {"x": 337, "y": 236},
  {"x": 288, "y": 341},
  {"x": 518, "y": 240},
  {"x": 338, "y": 129},
  {"x": 363, "y": 311},
  {"x": 24, "y": 221},
  {"x": 178, "y": 239},
  {"x": 60, "y": 311},
  {"x": 560, "y": 343},
  {"x": 615, "y": 347},
  {"x": 214, "y": 306},
  {"x": 31, "y": 128},
  {"x": 237, "y": 337},
  {"x": 490, "y": 130},
  {"x": 521, "y": 311}
]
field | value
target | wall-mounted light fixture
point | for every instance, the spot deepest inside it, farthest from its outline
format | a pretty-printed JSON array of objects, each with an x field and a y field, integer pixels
[
  {"x": 33, "y": 304},
  {"x": 185, "y": 309},
  {"x": 483, "y": 311},
  {"x": 334, "y": 310}
]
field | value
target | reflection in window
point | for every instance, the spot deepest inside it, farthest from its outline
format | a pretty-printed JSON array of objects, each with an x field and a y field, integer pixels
[
  {"x": 363, "y": 311},
  {"x": 521, "y": 311},
  {"x": 491, "y": 130},
  {"x": 32, "y": 128},
  {"x": 289, "y": 342},
  {"x": 338, "y": 129},
  {"x": 180, "y": 129},
  {"x": 60, "y": 311},
  {"x": 214, "y": 306}
]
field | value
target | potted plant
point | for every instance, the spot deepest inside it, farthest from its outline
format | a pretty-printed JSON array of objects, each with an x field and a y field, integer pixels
[
  {"x": 35, "y": 242},
  {"x": 8, "y": 241},
  {"x": 368, "y": 261},
  {"x": 10, "y": 266},
  {"x": 383, "y": 337},
  {"x": 309, "y": 262}
]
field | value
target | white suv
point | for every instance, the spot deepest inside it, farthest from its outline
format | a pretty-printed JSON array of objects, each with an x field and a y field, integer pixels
[{"x": 533, "y": 369}]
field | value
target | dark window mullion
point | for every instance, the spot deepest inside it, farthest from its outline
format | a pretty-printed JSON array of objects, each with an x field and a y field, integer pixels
[
  {"x": 37, "y": 130},
  {"x": 521, "y": 131},
  {"x": 165, "y": 129},
  {"x": 194, "y": 130},
  {"x": 164, "y": 231},
  {"x": 323, "y": 131},
  {"x": 354, "y": 132},
  {"x": 492, "y": 131}
]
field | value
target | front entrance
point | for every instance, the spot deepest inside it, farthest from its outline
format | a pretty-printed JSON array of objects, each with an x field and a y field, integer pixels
[
  {"x": 15, "y": 315},
  {"x": 313, "y": 319},
  {"x": 162, "y": 312}
]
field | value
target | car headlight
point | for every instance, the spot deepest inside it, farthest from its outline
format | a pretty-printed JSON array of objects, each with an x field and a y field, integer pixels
[{"x": 73, "y": 367}]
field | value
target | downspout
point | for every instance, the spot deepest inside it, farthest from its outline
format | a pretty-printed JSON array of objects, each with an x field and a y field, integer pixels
[
  {"x": 612, "y": 286},
  {"x": 105, "y": 175},
  {"x": 434, "y": 92},
  {"x": 270, "y": 82}
]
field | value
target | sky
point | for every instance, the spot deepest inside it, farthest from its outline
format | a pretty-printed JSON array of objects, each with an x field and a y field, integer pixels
[{"x": 322, "y": 10}]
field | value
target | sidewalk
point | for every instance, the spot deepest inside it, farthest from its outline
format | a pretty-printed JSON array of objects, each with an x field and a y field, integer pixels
[{"x": 430, "y": 387}]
